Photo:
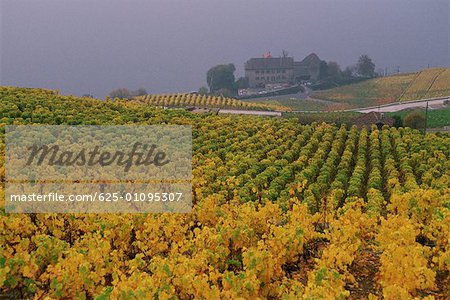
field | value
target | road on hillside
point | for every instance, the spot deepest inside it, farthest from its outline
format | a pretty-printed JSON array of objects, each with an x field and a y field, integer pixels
[
  {"x": 401, "y": 106},
  {"x": 433, "y": 103}
]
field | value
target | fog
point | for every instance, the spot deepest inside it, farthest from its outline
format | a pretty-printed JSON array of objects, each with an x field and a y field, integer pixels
[{"x": 94, "y": 46}]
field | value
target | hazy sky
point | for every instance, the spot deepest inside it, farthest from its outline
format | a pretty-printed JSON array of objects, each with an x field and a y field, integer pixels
[{"x": 94, "y": 46}]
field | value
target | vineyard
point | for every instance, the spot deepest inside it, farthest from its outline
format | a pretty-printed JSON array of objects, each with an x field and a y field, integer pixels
[
  {"x": 429, "y": 83},
  {"x": 423, "y": 84},
  {"x": 203, "y": 101},
  {"x": 281, "y": 211}
]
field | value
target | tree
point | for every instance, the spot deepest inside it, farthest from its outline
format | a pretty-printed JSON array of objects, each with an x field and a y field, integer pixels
[
  {"x": 349, "y": 72},
  {"x": 334, "y": 72},
  {"x": 225, "y": 93},
  {"x": 323, "y": 68},
  {"x": 398, "y": 122},
  {"x": 203, "y": 90},
  {"x": 140, "y": 92},
  {"x": 242, "y": 83},
  {"x": 365, "y": 67},
  {"x": 120, "y": 93},
  {"x": 414, "y": 120},
  {"x": 221, "y": 77}
]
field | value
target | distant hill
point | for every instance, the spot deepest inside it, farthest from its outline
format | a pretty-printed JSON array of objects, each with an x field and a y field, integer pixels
[{"x": 429, "y": 83}]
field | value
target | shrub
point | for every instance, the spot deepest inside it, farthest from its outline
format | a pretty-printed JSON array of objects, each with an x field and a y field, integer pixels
[{"x": 414, "y": 120}]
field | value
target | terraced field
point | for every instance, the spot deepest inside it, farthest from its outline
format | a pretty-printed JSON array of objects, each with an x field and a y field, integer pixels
[
  {"x": 422, "y": 85},
  {"x": 428, "y": 83},
  {"x": 440, "y": 86},
  {"x": 185, "y": 100}
]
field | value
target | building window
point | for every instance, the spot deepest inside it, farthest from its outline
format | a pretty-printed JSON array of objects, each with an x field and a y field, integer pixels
[
  {"x": 284, "y": 77},
  {"x": 257, "y": 72},
  {"x": 284, "y": 71},
  {"x": 257, "y": 78}
]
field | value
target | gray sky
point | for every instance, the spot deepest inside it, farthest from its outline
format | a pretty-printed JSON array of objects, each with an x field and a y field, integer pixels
[{"x": 94, "y": 46}]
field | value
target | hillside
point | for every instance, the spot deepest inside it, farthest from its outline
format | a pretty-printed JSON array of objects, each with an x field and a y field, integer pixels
[
  {"x": 429, "y": 83},
  {"x": 203, "y": 101},
  {"x": 280, "y": 211},
  {"x": 293, "y": 103}
]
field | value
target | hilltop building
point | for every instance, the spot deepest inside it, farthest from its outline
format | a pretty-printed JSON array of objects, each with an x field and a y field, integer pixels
[{"x": 281, "y": 70}]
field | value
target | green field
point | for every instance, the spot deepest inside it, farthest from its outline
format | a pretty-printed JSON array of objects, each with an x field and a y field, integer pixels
[
  {"x": 429, "y": 83},
  {"x": 437, "y": 118}
]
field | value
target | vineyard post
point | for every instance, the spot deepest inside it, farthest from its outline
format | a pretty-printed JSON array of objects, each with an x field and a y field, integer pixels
[{"x": 426, "y": 119}]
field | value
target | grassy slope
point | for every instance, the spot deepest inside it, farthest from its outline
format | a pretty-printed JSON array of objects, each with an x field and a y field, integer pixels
[
  {"x": 436, "y": 118},
  {"x": 428, "y": 83}
]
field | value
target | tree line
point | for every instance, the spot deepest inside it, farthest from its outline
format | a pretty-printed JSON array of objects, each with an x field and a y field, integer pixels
[
  {"x": 124, "y": 93},
  {"x": 332, "y": 75},
  {"x": 222, "y": 81}
]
